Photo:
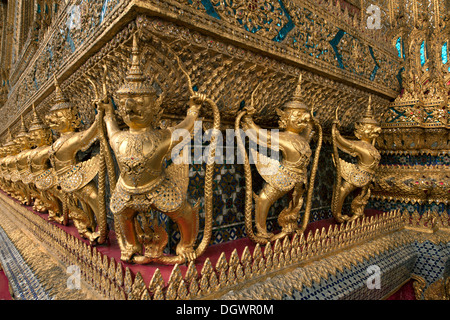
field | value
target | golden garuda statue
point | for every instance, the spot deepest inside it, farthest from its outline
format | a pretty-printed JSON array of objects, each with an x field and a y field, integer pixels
[
  {"x": 3, "y": 154},
  {"x": 288, "y": 175},
  {"x": 40, "y": 178},
  {"x": 350, "y": 176},
  {"x": 10, "y": 148},
  {"x": 146, "y": 185},
  {"x": 24, "y": 142},
  {"x": 9, "y": 168},
  {"x": 73, "y": 179}
]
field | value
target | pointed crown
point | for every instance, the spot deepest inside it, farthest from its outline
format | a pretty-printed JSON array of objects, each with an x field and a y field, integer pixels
[
  {"x": 297, "y": 102},
  {"x": 135, "y": 79},
  {"x": 59, "y": 100},
  {"x": 10, "y": 141},
  {"x": 23, "y": 130},
  {"x": 368, "y": 116},
  {"x": 36, "y": 123}
]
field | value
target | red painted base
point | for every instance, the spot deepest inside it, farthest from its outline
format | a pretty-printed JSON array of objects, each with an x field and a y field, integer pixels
[
  {"x": 4, "y": 290},
  {"x": 406, "y": 292}
]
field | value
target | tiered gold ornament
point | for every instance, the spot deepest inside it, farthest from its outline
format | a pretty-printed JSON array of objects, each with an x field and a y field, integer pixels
[{"x": 417, "y": 122}]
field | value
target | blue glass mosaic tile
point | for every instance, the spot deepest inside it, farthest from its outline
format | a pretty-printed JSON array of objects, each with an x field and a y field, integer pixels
[
  {"x": 396, "y": 267},
  {"x": 23, "y": 282}
]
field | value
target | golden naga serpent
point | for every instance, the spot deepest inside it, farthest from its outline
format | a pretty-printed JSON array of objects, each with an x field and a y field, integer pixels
[
  {"x": 248, "y": 179},
  {"x": 106, "y": 162},
  {"x": 337, "y": 163}
]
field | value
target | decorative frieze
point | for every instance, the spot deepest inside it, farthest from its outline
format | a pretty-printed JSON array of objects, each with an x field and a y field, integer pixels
[
  {"x": 341, "y": 246},
  {"x": 413, "y": 183},
  {"x": 366, "y": 62}
]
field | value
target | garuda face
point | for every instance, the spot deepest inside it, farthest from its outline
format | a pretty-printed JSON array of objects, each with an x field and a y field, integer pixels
[{"x": 137, "y": 110}]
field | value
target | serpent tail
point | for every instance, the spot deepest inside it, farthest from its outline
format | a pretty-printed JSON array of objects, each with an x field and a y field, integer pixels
[
  {"x": 312, "y": 177},
  {"x": 209, "y": 178},
  {"x": 248, "y": 187}
]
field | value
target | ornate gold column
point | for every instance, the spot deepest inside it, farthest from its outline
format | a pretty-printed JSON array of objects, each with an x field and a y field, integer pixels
[{"x": 415, "y": 137}]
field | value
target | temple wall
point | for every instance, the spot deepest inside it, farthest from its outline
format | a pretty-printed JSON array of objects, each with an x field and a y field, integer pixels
[{"x": 238, "y": 55}]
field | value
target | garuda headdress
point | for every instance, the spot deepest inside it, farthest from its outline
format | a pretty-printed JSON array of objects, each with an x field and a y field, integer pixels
[
  {"x": 23, "y": 132},
  {"x": 135, "y": 81},
  {"x": 36, "y": 123},
  {"x": 368, "y": 116},
  {"x": 59, "y": 101},
  {"x": 10, "y": 141},
  {"x": 297, "y": 102}
]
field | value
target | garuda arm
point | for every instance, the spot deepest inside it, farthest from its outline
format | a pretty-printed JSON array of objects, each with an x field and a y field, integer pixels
[
  {"x": 188, "y": 122},
  {"x": 263, "y": 137},
  {"x": 346, "y": 145},
  {"x": 82, "y": 140}
]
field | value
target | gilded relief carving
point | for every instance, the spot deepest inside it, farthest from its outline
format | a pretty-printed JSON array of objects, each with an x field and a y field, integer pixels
[
  {"x": 134, "y": 74},
  {"x": 265, "y": 17},
  {"x": 318, "y": 29}
]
